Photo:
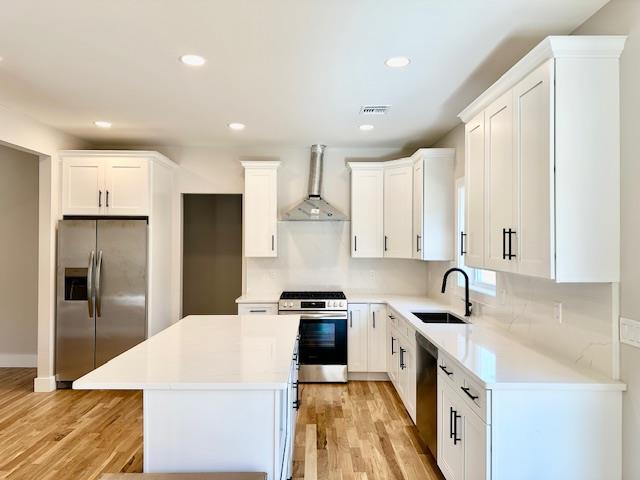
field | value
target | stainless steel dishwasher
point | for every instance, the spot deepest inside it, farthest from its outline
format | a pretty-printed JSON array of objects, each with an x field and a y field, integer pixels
[{"x": 427, "y": 393}]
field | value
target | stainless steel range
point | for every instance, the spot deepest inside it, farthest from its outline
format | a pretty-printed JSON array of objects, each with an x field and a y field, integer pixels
[{"x": 323, "y": 334}]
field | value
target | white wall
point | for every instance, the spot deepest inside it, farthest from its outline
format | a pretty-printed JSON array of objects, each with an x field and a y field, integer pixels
[
  {"x": 22, "y": 132},
  {"x": 18, "y": 257},
  {"x": 524, "y": 305},
  {"x": 623, "y": 17},
  {"x": 311, "y": 255}
]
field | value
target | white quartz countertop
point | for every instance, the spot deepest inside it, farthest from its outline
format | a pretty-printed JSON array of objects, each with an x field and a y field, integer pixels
[
  {"x": 495, "y": 358},
  {"x": 205, "y": 352}
]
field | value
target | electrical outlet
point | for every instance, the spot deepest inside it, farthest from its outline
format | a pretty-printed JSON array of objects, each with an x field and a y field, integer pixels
[{"x": 557, "y": 312}]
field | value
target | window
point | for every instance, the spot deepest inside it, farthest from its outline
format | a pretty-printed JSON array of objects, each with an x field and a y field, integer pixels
[{"x": 482, "y": 281}]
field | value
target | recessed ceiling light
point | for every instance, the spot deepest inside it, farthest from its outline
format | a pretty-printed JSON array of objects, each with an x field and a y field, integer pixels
[
  {"x": 397, "y": 62},
  {"x": 366, "y": 128},
  {"x": 236, "y": 126},
  {"x": 192, "y": 60},
  {"x": 102, "y": 124}
]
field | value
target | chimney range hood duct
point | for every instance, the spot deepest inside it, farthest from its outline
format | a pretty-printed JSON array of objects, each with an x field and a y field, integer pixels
[{"x": 314, "y": 208}]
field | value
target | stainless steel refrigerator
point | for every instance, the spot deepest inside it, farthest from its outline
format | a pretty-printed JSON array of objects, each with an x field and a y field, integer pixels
[{"x": 101, "y": 292}]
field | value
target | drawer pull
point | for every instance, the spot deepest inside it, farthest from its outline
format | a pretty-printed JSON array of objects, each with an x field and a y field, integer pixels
[
  {"x": 402, "y": 364},
  {"x": 258, "y": 311},
  {"x": 466, "y": 390},
  {"x": 444, "y": 369}
]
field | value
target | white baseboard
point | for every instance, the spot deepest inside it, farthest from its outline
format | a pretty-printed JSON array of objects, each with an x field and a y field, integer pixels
[
  {"x": 368, "y": 377},
  {"x": 44, "y": 384},
  {"x": 18, "y": 360}
]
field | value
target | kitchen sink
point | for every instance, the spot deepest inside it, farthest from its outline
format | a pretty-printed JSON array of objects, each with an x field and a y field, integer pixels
[{"x": 438, "y": 317}]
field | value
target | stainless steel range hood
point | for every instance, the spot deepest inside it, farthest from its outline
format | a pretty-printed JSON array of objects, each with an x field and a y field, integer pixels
[{"x": 314, "y": 208}]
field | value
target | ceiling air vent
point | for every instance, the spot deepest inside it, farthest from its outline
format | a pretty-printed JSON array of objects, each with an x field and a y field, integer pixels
[{"x": 374, "y": 109}]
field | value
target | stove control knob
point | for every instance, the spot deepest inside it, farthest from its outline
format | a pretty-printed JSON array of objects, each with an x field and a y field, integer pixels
[
  {"x": 341, "y": 305},
  {"x": 290, "y": 304}
]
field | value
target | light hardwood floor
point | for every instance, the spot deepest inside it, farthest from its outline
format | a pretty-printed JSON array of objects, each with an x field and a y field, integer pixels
[{"x": 355, "y": 431}]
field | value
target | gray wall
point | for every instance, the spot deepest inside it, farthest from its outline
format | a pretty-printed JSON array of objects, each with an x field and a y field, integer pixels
[
  {"x": 623, "y": 17},
  {"x": 18, "y": 258},
  {"x": 212, "y": 254}
]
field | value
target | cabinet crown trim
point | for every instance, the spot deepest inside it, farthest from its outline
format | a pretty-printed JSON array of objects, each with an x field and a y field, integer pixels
[
  {"x": 433, "y": 153},
  {"x": 148, "y": 154},
  {"x": 555, "y": 46},
  {"x": 260, "y": 164}
]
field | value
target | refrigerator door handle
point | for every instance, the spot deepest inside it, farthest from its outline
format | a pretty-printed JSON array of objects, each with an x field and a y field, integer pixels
[
  {"x": 98, "y": 278},
  {"x": 90, "y": 283}
]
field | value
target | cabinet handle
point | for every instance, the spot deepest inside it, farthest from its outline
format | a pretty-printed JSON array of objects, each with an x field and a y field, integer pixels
[
  {"x": 444, "y": 369},
  {"x": 99, "y": 198},
  {"x": 391, "y": 317},
  {"x": 451, "y": 434},
  {"x": 402, "y": 364},
  {"x": 296, "y": 402},
  {"x": 510, "y": 233},
  {"x": 350, "y": 319},
  {"x": 385, "y": 243},
  {"x": 392, "y": 351},
  {"x": 462, "y": 250},
  {"x": 273, "y": 242},
  {"x": 107, "y": 198},
  {"x": 504, "y": 243},
  {"x": 257, "y": 311},
  {"x": 466, "y": 390},
  {"x": 374, "y": 319},
  {"x": 418, "y": 243},
  {"x": 456, "y": 439},
  {"x": 355, "y": 243}
]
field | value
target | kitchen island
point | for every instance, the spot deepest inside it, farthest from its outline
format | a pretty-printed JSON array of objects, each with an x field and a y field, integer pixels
[{"x": 219, "y": 393}]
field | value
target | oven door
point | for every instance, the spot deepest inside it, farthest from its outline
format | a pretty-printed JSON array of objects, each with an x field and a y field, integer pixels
[{"x": 323, "y": 338}]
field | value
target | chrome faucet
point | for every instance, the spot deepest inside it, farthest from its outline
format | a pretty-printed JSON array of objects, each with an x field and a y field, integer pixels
[{"x": 467, "y": 303}]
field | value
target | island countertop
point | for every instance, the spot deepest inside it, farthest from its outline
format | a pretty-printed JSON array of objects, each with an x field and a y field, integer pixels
[{"x": 205, "y": 352}]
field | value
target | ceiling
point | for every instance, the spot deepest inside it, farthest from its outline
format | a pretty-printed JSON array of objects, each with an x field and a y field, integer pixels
[{"x": 294, "y": 71}]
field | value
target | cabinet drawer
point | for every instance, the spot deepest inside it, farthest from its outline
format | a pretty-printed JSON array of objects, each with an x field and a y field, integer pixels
[
  {"x": 258, "y": 309},
  {"x": 466, "y": 386},
  {"x": 393, "y": 317}
]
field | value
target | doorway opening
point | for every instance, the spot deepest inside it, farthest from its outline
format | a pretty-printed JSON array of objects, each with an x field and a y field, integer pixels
[
  {"x": 211, "y": 253},
  {"x": 19, "y": 260}
]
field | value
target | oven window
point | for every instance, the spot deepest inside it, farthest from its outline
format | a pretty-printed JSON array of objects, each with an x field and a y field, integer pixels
[{"x": 323, "y": 342}]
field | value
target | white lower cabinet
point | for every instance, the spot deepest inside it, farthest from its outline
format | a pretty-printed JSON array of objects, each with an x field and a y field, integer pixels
[
  {"x": 366, "y": 338},
  {"x": 401, "y": 360},
  {"x": 463, "y": 437},
  {"x": 258, "y": 309}
]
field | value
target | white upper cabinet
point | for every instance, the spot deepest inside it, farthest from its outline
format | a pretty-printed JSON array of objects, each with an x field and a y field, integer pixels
[
  {"x": 533, "y": 134},
  {"x": 551, "y": 168},
  {"x": 433, "y": 204},
  {"x": 500, "y": 196},
  {"x": 472, "y": 241},
  {"x": 398, "y": 205},
  {"x": 106, "y": 183},
  {"x": 367, "y": 193},
  {"x": 260, "y": 205},
  {"x": 83, "y": 188},
  {"x": 127, "y": 186}
]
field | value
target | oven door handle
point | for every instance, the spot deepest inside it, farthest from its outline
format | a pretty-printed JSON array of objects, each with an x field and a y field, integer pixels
[{"x": 323, "y": 316}]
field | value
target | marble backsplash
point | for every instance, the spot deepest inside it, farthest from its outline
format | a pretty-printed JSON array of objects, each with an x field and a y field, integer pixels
[{"x": 524, "y": 307}]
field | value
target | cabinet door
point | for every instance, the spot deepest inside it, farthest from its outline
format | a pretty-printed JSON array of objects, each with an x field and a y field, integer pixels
[
  {"x": 474, "y": 193},
  {"x": 476, "y": 440},
  {"x": 367, "y": 187},
  {"x": 260, "y": 212},
  {"x": 83, "y": 190},
  {"x": 500, "y": 199},
  {"x": 533, "y": 109},
  {"x": 407, "y": 375},
  {"x": 398, "y": 206},
  {"x": 377, "y": 342},
  {"x": 127, "y": 186},
  {"x": 418, "y": 205},
  {"x": 450, "y": 442},
  {"x": 357, "y": 337},
  {"x": 393, "y": 359}
]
